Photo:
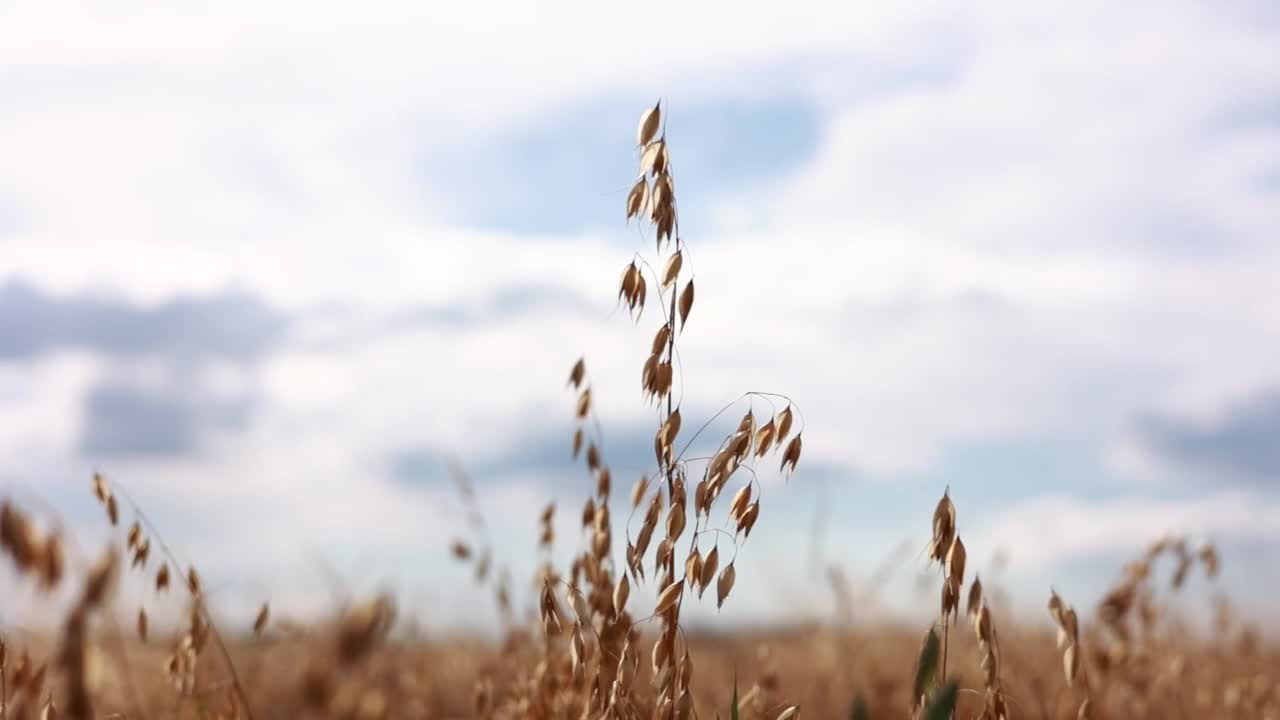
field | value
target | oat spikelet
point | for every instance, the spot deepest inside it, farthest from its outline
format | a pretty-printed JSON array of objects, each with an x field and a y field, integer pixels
[
  {"x": 660, "y": 339},
  {"x": 668, "y": 598},
  {"x": 975, "y": 597},
  {"x": 944, "y": 528},
  {"x": 791, "y": 456},
  {"x": 637, "y": 198},
  {"x": 686, "y": 303},
  {"x": 638, "y": 491},
  {"x": 621, "y": 592},
  {"x": 460, "y": 550},
  {"x": 654, "y": 159},
  {"x": 748, "y": 519},
  {"x": 741, "y": 499},
  {"x": 649, "y": 123},
  {"x": 578, "y": 372},
  {"x": 709, "y": 566},
  {"x": 764, "y": 438},
  {"x": 956, "y": 558},
  {"x": 135, "y": 534},
  {"x": 672, "y": 270},
  {"x": 725, "y": 584},
  {"x": 260, "y": 622},
  {"x": 785, "y": 419},
  {"x": 693, "y": 568}
]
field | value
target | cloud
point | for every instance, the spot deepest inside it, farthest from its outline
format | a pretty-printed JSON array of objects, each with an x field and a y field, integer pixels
[
  {"x": 1243, "y": 441},
  {"x": 231, "y": 325},
  {"x": 168, "y": 419},
  {"x": 503, "y": 305},
  {"x": 1047, "y": 538}
]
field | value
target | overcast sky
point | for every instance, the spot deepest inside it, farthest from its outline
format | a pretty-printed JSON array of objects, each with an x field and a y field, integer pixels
[{"x": 269, "y": 265}]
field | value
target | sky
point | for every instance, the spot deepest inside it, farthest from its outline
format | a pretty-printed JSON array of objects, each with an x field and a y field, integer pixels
[{"x": 270, "y": 266}]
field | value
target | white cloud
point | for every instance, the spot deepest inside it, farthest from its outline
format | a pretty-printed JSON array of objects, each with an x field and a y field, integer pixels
[{"x": 1053, "y": 529}]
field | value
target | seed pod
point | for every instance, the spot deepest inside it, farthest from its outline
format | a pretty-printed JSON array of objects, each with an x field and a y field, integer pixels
[
  {"x": 741, "y": 499},
  {"x": 577, "y": 650},
  {"x": 791, "y": 454},
  {"x": 1055, "y": 607},
  {"x": 944, "y": 528},
  {"x": 764, "y": 438},
  {"x": 955, "y": 562},
  {"x": 639, "y": 295},
  {"x": 637, "y": 198},
  {"x": 460, "y": 551},
  {"x": 700, "y": 505},
  {"x": 709, "y": 567},
  {"x": 950, "y": 597},
  {"x": 649, "y": 122},
  {"x": 975, "y": 597},
  {"x": 671, "y": 428},
  {"x": 638, "y": 490},
  {"x": 748, "y": 519},
  {"x": 1070, "y": 663},
  {"x": 142, "y": 624},
  {"x": 982, "y": 625},
  {"x": 667, "y": 599},
  {"x": 101, "y": 579},
  {"x": 785, "y": 418},
  {"x": 672, "y": 270},
  {"x": 579, "y": 605},
  {"x": 627, "y": 285},
  {"x": 725, "y": 584},
  {"x": 51, "y": 564},
  {"x": 1070, "y": 625},
  {"x": 693, "y": 567},
  {"x": 577, "y": 442},
  {"x": 577, "y": 373},
  {"x": 621, "y": 592},
  {"x": 686, "y": 303},
  {"x": 1209, "y": 557},
  {"x": 660, "y": 339},
  {"x": 675, "y": 522},
  {"x": 162, "y": 578},
  {"x": 653, "y": 159},
  {"x": 666, "y": 554},
  {"x": 642, "y": 541}
]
